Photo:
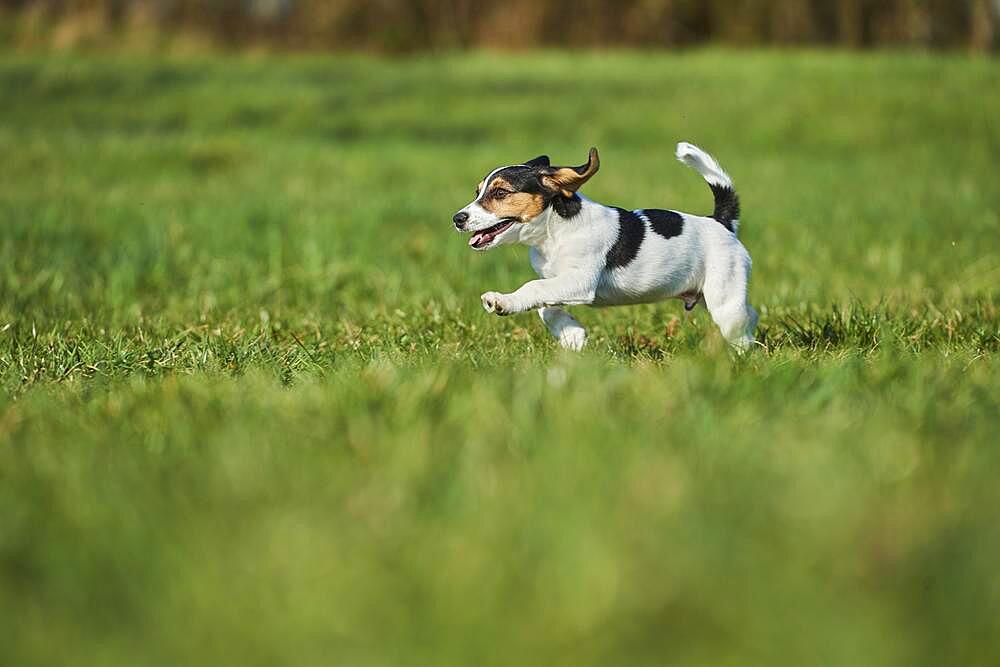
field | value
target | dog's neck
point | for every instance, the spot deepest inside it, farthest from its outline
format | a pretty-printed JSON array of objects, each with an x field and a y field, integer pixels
[{"x": 545, "y": 229}]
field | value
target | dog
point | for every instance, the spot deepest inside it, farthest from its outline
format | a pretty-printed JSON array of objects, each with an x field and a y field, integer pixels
[{"x": 586, "y": 253}]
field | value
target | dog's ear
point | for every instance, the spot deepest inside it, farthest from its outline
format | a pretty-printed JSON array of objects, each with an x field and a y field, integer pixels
[
  {"x": 540, "y": 161},
  {"x": 567, "y": 180}
]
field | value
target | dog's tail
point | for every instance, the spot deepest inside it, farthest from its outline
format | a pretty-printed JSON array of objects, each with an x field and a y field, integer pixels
[{"x": 727, "y": 204}]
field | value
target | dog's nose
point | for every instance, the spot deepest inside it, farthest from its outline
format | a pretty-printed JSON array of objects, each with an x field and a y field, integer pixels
[{"x": 460, "y": 219}]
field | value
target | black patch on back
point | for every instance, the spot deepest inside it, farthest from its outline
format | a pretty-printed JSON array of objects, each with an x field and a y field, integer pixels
[
  {"x": 727, "y": 205},
  {"x": 631, "y": 232},
  {"x": 667, "y": 224}
]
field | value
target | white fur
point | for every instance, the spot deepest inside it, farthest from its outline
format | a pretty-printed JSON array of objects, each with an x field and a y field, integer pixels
[
  {"x": 569, "y": 257},
  {"x": 703, "y": 163}
]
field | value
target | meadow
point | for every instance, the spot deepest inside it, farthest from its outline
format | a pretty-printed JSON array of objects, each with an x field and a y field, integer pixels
[{"x": 252, "y": 412}]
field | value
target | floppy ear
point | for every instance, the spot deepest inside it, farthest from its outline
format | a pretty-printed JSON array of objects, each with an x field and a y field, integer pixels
[
  {"x": 568, "y": 180},
  {"x": 540, "y": 161}
]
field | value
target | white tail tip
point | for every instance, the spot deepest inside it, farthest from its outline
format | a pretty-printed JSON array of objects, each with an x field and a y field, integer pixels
[{"x": 703, "y": 163}]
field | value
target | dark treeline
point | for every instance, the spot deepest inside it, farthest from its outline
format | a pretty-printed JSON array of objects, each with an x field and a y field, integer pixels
[{"x": 401, "y": 25}]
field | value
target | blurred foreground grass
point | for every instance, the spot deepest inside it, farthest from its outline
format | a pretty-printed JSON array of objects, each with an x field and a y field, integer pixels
[{"x": 252, "y": 413}]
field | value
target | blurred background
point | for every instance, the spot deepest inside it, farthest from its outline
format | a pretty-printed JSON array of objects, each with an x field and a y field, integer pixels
[
  {"x": 252, "y": 412},
  {"x": 398, "y": 25}
]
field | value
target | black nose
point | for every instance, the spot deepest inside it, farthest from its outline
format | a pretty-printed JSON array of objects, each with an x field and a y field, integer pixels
[{"x": 460, "y": 219}]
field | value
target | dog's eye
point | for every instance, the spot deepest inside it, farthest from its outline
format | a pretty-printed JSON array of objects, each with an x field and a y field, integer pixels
[{"x": 500, "y": 194}]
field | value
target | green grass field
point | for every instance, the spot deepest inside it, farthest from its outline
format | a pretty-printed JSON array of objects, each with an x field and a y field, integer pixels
[{"x": 252, "y": 412}]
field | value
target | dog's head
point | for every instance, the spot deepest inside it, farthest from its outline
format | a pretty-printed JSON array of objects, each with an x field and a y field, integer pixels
[{"x": 510, "y": 198}]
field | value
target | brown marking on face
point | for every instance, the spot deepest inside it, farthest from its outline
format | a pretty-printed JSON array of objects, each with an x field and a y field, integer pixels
[
  {"x": 500, "y": 183},
  {"x": 521, "y": 205},
  {"x": 502, "y": 201}
]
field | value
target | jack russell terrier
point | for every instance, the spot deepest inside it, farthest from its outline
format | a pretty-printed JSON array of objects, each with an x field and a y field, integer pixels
[{"x": 586, "y": 253}]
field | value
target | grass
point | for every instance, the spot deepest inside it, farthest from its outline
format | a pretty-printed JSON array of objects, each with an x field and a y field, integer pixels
[{"x": 252, "y": 412}]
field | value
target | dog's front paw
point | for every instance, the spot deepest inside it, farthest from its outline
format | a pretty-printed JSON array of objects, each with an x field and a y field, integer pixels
[{"x": 494, "y": 302}]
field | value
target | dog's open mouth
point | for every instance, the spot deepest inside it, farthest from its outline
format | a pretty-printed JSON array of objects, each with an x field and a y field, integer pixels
[{"x": 484, "y": 237}]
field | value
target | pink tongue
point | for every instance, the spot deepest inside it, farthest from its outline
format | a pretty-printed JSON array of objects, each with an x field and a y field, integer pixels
[{"x": 476, "y": 239}]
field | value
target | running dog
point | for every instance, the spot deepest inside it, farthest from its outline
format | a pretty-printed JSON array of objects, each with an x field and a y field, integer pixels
[{"x": 586, "y": 253}]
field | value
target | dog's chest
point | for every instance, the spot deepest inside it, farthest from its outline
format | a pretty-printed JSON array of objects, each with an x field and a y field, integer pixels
[
  {"x": 570, "y": 248},
  {"x": 547, "y": 263}
]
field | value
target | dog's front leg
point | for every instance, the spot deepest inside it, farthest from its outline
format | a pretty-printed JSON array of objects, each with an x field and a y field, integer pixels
[
  {"x": 570, "y": 333},
  {"x": 567, "y": 290}
]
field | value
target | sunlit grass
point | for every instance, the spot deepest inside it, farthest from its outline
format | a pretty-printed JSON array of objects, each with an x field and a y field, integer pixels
[{"x": 252, "y": 412}]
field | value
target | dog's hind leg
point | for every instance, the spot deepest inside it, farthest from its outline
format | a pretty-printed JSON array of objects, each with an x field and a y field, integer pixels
[
  {"x": 737, "y": 320},
  {"x": 726, "y": 299},
  {"x": 564, "y": 327}
]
